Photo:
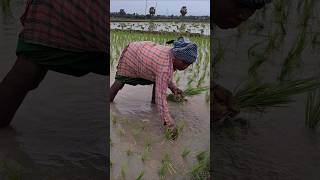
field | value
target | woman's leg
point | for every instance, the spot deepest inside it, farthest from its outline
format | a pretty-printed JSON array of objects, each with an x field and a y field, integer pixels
[
  {"x": 153, "y": 100},
  {"x": 22, "y": 78},
  {"x": 115, "y": 88}
]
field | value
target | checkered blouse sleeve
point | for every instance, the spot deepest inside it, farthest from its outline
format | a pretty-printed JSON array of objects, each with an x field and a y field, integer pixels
[{"x": 162, "y": 81}]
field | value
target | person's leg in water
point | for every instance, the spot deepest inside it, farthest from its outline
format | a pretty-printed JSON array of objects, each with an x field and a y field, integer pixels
[
  {"x": 115, "y": 88},
  {"x": 22, "y": 78},
  {"x": 153, "y": 100}
]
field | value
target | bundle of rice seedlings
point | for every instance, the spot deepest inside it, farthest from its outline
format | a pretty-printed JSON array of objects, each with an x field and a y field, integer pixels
[
  {"x": 166, "y": 167},
  {"x": 257, "y": 96},
  {"x": 201, "y": 170},
  {"x": 312, "y": 110},
  {"x": 191, "y": 91}
]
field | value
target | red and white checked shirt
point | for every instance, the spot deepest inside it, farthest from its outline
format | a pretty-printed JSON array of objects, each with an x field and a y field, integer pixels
[
  {"x": 153, "y": 62},
  {"x": 75, "y": 25}
]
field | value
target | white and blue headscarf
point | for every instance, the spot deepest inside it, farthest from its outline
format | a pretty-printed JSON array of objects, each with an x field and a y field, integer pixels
[
  {"x": 255, "y": 4},
  {"x": 184, "y": 50}
]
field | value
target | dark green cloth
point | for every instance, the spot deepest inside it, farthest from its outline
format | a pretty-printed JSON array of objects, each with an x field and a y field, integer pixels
[
  {"x": 133, "y": 81},
  {"x": 67, "y": 62}
]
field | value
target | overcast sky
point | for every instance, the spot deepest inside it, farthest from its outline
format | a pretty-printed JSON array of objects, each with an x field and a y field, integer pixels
[{"x": 164, "y": 7}]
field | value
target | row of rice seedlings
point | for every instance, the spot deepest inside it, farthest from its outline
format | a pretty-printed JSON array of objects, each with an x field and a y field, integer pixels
[
  {"x": 258, "y": 96},
  {"x": 166, "y": 167},
  {"x": 312, "y": 110},
  {"x": 293, "y": 59},
  {"x": 201, "y": 170}
]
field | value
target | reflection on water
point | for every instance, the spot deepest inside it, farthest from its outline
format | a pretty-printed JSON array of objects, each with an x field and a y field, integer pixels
[{"x": 60, "y": 130}]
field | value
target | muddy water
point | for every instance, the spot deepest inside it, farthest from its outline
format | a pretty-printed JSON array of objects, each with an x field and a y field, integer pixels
[
  {"x": 276, "y": 145},
  {"x": 138, "y": 123},
  {"x": 60, "y": 129}
]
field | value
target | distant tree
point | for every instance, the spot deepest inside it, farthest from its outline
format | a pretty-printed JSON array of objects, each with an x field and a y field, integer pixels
[
  {"x": 122, "y": 12},
  {"x": 152, "y": 11},
  {"x": 183, "y": 10}
]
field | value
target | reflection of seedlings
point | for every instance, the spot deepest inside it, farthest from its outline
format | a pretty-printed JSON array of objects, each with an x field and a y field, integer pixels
[
  {"x": 185, "y": 153},
  {"x": 201, "y": 170},
  {"x": 140, "y": 175},
  {"x": 312, "y": 110},
  {"x": 111, "y": 164},
  {"x": 121, "y": 131},
  {"x": 166, "y": 167}
]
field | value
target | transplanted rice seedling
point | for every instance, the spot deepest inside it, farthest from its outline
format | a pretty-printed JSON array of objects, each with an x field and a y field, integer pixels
[
  {"x": 185, "y": 153},
  {"x": 10, "y": 172},
  {"x": 258, "y": 96},
  {"x": 292, "y": 60},
  {"x": 114, "y": 119},
  {"x": 201, "y": 170},
  {"x": 166, "y": 167},
  {"x": 121, "y": 131},
  {"x": 122, "y": 173},
  {"x": 140, "y": 175},
  {"x": 129, "y": 152},
  {"x": 312, "y": 110},
  {"x": 144, "y": 156}
]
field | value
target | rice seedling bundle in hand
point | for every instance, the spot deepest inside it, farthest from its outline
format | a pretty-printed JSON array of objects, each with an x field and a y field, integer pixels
[
  {"x": 257, "y": 96},
  {"x": 312, "y": 110},
  {"x": 187, "y": 93}
]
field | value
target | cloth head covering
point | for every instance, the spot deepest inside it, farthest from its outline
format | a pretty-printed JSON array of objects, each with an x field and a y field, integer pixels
[
  {"x": 184, "y": 50},
  {"x": 255, "y": 4}
]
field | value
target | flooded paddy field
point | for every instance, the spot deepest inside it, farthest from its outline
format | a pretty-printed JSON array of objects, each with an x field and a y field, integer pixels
[
  {"x": 138, "y": 146},
  {"x": 278, "y": 44}
]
